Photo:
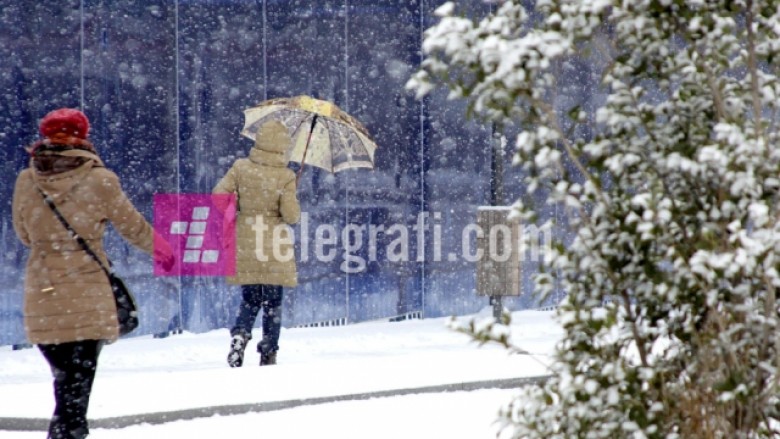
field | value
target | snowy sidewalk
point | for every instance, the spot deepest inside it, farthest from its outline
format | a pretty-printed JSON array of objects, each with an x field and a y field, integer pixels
[{"x": 186, "y": 376}]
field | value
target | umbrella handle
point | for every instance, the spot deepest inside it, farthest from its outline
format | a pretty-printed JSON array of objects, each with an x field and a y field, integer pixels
[{"x": 306, "y": 149}]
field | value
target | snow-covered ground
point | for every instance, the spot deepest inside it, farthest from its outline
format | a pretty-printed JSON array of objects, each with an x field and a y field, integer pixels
[{"x": 143, "y": 375}]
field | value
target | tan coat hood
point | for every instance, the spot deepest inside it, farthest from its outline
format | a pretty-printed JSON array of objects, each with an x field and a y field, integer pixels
[
  {"x": 272, "y": 137},
  {"x": 271, "y": 145},
  {"x": 59, "y": 185}
]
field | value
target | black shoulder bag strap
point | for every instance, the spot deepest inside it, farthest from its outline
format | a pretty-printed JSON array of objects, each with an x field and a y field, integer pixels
[
  {"x": 126, "y": 308},
  {"x": 72, "y": 233}
]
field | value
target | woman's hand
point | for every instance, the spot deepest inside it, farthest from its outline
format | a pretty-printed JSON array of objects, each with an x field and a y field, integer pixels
[{"x": 163, "y": 253}]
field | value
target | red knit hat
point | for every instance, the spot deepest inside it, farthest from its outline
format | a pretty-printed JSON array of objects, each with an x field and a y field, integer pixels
[{"x": 65, "y": 122}]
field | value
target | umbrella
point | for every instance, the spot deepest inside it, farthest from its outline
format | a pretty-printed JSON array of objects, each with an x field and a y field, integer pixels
[{"x": 323, "y": 135}]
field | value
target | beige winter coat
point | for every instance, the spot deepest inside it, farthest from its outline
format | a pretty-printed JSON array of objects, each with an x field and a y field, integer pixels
[
  {"x": 267, "y": 202},
  {"x": 67, "y": 296}
]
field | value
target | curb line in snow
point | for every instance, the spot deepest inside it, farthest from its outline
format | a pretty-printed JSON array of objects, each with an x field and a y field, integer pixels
[{"x": 39, "y": 424}]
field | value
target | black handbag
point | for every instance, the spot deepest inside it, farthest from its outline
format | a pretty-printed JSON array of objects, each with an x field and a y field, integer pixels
[{"x": 126, "y": 307}]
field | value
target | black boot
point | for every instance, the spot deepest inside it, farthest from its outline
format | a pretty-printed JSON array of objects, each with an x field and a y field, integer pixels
[
  {"x": 237, "y": 346},
  {"x": 268, "y": 359}
]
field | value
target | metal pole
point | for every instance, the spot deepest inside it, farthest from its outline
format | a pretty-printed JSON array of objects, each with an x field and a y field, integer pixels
[
  {"x": 496, "y": 195},
  {"x": 496, "y": 168}
]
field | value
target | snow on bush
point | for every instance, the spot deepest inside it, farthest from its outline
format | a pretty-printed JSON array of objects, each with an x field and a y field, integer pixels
[{"x": 669, "y": 170}]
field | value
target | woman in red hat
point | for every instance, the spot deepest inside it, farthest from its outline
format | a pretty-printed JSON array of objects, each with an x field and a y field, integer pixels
[{"x": 69, "y": 307}]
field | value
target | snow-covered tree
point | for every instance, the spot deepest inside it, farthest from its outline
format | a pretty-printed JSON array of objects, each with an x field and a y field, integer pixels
[{"x": 671, "y": 319}]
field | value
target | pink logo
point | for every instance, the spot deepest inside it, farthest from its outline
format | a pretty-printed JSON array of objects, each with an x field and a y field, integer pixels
[{"x": 200, "y": 229}]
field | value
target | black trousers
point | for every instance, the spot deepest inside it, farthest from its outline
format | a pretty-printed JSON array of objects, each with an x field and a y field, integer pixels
[
  {"x": 269, "y": 299},
  {"x": 73, "y": 367}
]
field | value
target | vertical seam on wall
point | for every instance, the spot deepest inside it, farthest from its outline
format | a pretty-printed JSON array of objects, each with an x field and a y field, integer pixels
[
  {"x": 265, "y": 51},
  {"x": 81, "y": 53},
  {"x": 346, "y": 107},
  {"x": 178, "y": 139},
  {"x": 422, "y": 157}
]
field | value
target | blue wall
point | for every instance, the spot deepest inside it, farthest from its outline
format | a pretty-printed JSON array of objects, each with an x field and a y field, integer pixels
[{"x": 164, "y": 84}]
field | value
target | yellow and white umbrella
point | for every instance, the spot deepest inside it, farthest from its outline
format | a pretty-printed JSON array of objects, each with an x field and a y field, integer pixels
[{"x": 323, "y": 135}]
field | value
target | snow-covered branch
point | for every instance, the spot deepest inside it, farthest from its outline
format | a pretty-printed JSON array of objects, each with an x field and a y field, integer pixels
[{"x": 668, "y": 151}]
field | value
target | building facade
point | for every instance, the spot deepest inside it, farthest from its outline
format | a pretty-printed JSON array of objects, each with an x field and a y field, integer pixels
[{"x": 165, "y": 82}]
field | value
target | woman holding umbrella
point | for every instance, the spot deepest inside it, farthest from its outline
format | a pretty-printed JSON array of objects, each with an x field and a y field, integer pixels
[
  {"x": 267, "y": 204},
  {"x": 300, "y": 129}
]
